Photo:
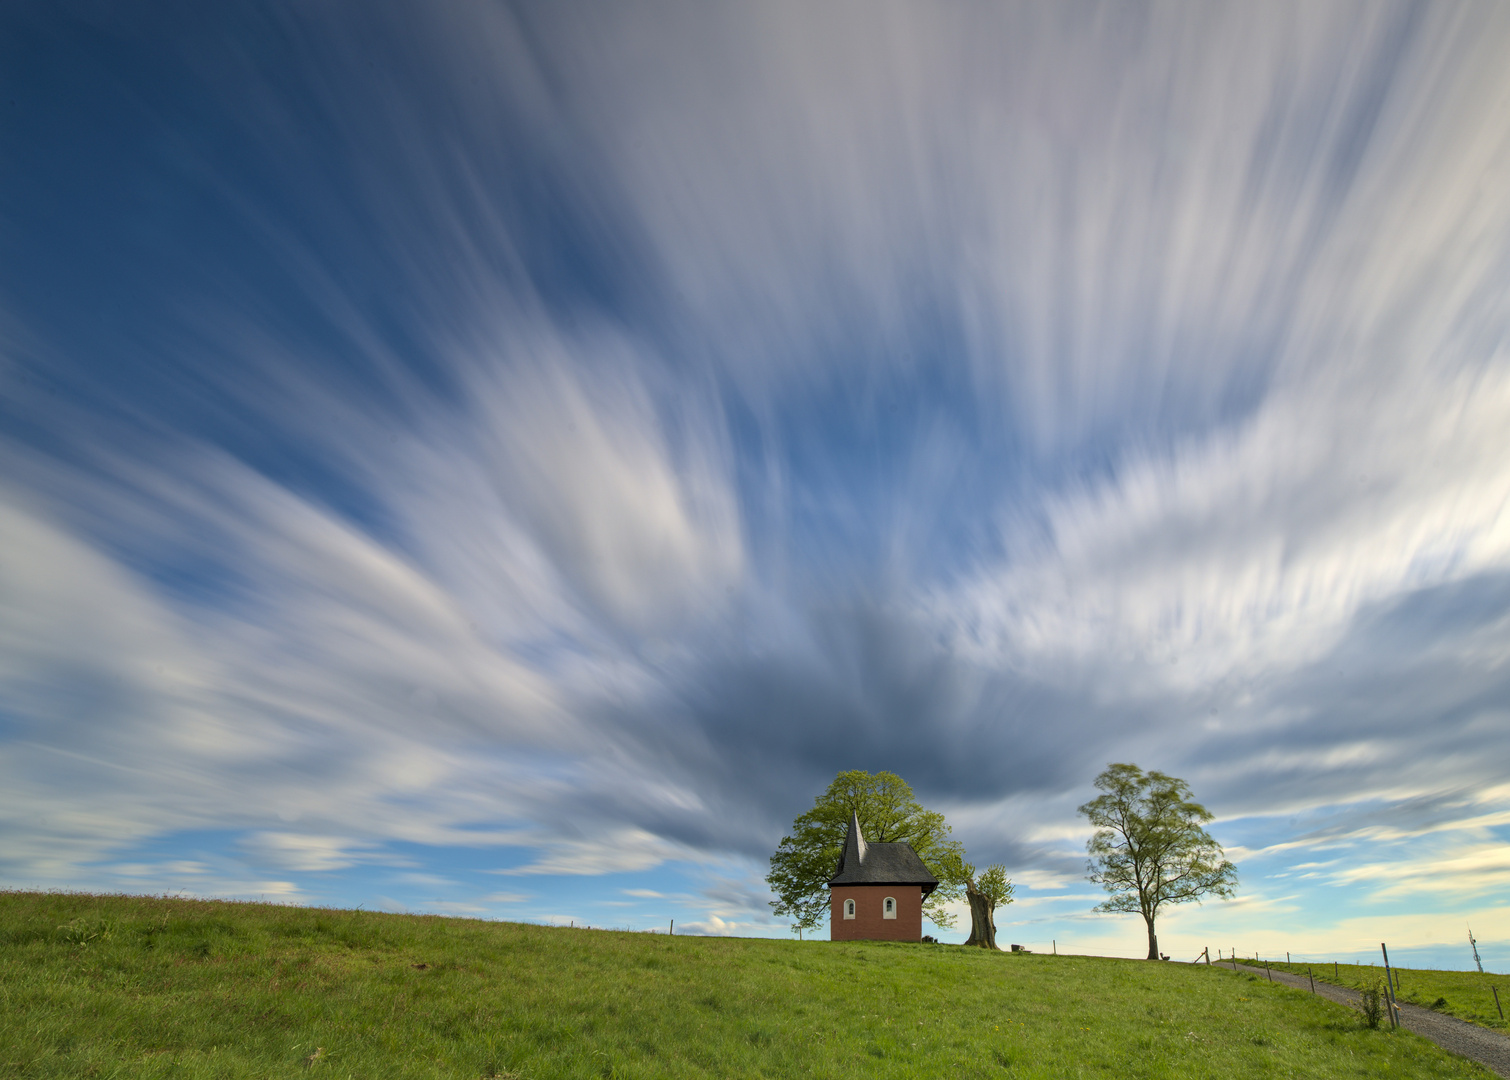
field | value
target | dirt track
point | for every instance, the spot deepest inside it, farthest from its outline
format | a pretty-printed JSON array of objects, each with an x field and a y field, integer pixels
[{"x": 1488, "y": 1048}]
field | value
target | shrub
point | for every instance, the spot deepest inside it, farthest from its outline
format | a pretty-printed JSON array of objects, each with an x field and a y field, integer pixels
[{"x": 1373, "y": 1000}]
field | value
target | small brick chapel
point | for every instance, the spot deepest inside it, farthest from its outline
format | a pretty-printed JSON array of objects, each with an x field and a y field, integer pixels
[{"x": 877, "y": 892}]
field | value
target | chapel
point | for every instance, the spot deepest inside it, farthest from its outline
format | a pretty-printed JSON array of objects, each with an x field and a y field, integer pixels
[{"x": 877, "y": 891}]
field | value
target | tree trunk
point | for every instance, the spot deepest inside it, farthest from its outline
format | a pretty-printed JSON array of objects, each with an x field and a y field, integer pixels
[
  {"x": 1153, "y": 940},
  {"x": 982, "y": 923}
]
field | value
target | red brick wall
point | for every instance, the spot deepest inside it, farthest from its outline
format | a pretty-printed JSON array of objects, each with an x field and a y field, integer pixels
[{"x": 868, "y": 925}]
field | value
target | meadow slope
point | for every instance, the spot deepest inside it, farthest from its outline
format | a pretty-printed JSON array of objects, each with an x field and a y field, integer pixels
[
  {"x": 1468, "y": 995},
  {"x": 154, "y": 987}
]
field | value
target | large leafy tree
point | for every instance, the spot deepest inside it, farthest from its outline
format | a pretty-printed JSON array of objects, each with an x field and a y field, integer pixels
[
  {"x": 1149, "y": 848},
  {"x": 889, "y": 813}
]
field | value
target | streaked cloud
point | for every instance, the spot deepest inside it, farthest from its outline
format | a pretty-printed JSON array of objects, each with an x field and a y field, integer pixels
[{"x": 515, "y": 443}]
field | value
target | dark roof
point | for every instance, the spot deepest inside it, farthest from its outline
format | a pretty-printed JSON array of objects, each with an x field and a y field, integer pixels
[{"x": 879, "y": 864}]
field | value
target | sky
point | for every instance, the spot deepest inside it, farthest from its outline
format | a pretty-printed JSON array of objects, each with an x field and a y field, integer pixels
[{"x": 503, "y": 460}]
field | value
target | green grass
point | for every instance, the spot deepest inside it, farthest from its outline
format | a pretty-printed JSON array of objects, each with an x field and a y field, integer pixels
[
  {"x": 142, "y": 987},
  {"x": 1464, "y": 994}
]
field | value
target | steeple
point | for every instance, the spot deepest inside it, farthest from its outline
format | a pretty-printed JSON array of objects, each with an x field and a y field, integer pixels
[{"x": 853, "y": 855}]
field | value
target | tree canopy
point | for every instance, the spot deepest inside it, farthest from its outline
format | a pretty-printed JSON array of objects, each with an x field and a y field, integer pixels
[
  {"x": 888, "y": 813},
  {"x": 1149, "y": 848}
]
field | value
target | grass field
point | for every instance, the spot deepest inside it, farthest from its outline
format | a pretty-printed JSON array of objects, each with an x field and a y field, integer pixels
[
  {"x": 142, "y": 987},
  {"x": 1464, "y": 994}
]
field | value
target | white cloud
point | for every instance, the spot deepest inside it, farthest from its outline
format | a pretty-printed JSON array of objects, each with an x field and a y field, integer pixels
[
  {"x": 586, "y": 463},
  {"x": 717, "y": 926},
  {"x": 1245, "y": 554},
  {"x": 107, "y": 680},
  {"x": 173, "y": 868},
  {"x": 304, "y": 852},
  {"x": 616, "y": 851},
  {"x": 1043, "y": 879},
  {"x": 1463, "y": 870}
]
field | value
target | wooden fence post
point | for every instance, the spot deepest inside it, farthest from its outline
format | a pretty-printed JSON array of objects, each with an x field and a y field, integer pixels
[
  {"x": 1497, "y": 1001},
  {"x": 1389, "y": 989},
  {"x": 1312, "y": 978}
]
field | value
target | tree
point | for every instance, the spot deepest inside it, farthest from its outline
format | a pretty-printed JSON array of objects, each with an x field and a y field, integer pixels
[
  {"x": 1149, "y": 848},
  {"x": 889, "y": 813},
  {"x": 985, "y": 894}
]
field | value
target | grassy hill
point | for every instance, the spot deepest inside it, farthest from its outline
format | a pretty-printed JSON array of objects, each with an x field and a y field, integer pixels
[{"x": 140, "y": 987}]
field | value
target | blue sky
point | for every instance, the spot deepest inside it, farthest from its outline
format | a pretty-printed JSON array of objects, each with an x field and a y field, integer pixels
[{"x": 504, "y": 460}]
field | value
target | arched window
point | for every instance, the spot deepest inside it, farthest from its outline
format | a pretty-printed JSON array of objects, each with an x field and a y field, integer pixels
[
  {"x": 849, "y": 909},
  {"x": 889, "y": 908}
]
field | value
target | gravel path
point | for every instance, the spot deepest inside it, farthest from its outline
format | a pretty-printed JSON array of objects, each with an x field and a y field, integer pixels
[{"x": 1488, "y": 1048}]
